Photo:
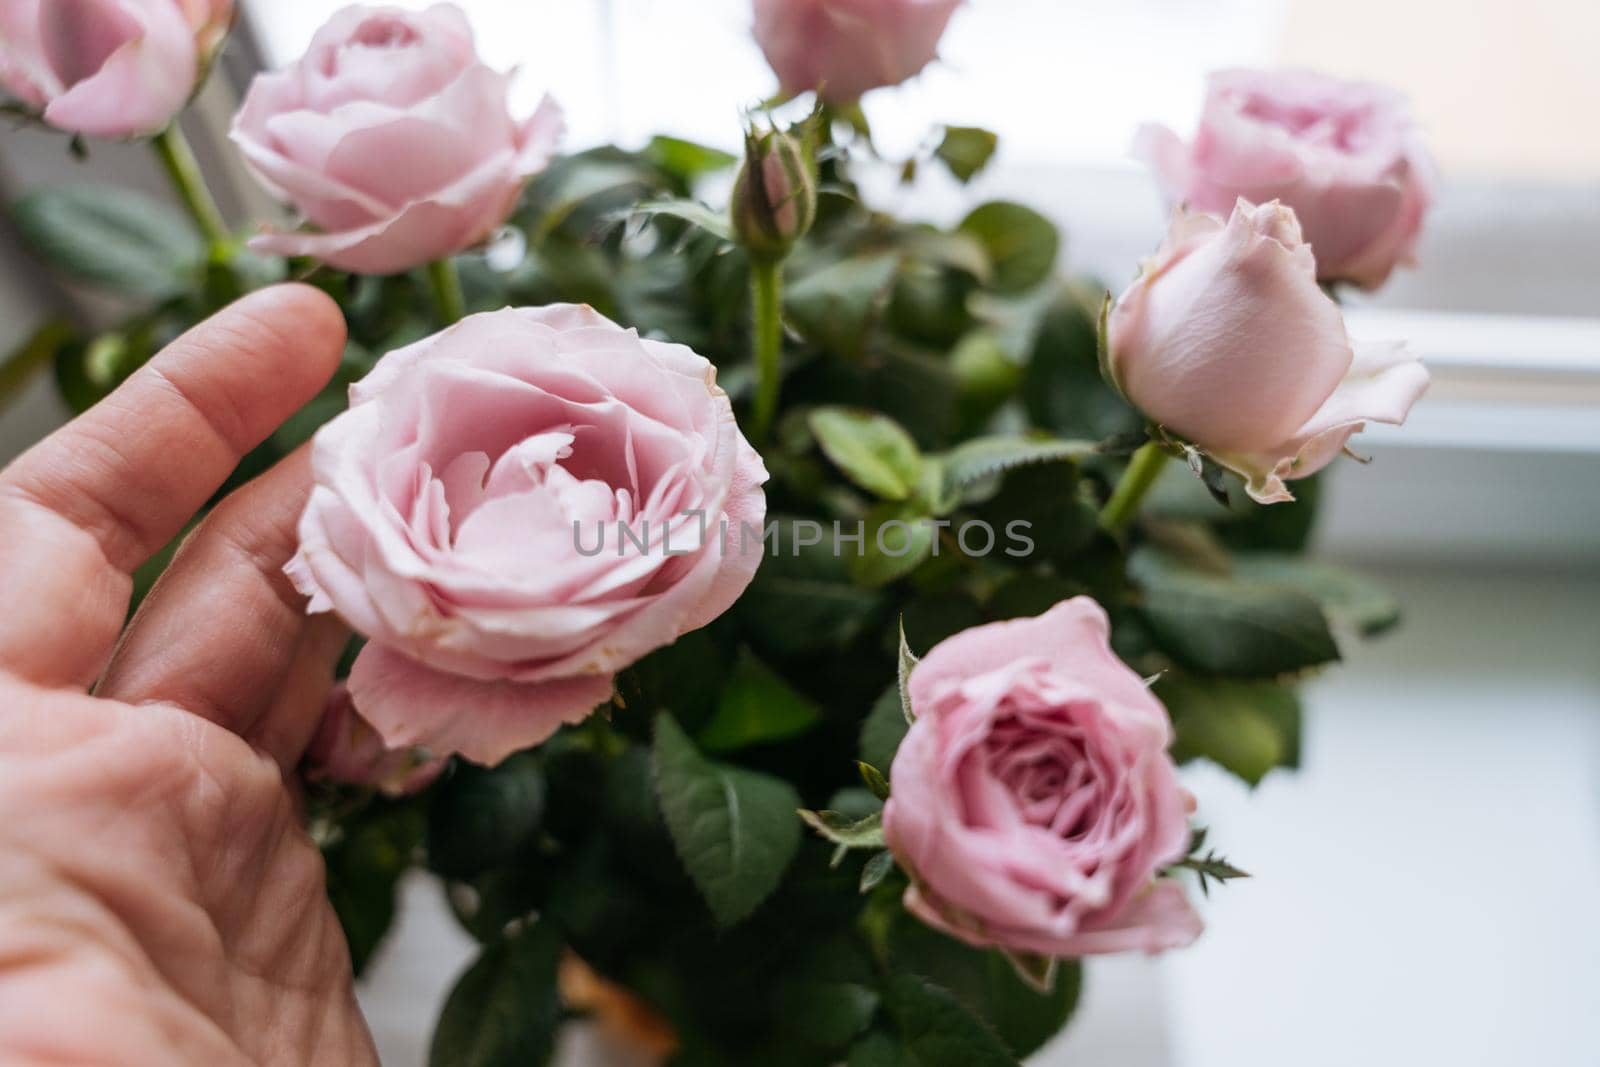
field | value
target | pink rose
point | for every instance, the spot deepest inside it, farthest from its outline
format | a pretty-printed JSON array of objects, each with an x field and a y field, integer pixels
[
  {"x": 1034, "y": 802},
  {"x": 1226, "y": 339},
  {"x": 1344, "y": 155},
  {"x": 103, "y": 68},
  {"x": 845, "y": 47},
  {"x": 393, "y": 140},
  {"x": 465, "y": 518},
  {"x": 211, "y": 20},
  {"x": 348, "y": 751}
]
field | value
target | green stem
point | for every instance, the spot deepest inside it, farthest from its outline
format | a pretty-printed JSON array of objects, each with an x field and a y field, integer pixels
[
  {"x": 1143, "y": 469},
  {"x": 446, "y": 286},
  {"x": 172, "y": 148},
  {"x": 766, "y": 290}
]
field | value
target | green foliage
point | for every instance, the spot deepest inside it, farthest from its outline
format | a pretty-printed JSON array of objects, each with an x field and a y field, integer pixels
[
  {"x": 735, "y": 829},
  {"x": 757, "y": 707},
  {"x": 1223, "y": 626},
  {"x": 883, "y": 729},
  {"x": 1347, "y": 599},
  {"x": 365, "y": 859},
  {"x": 503, "y": 1010},
  {"x": 835, "y": 306},
  {"x": 1022, "y": 244},
  {"x": 936, "y": 1031},
  {"x": 113, "y": 238},
  {"x": 483, "y": 817},
  {"x": 1246, "y": 727},
  {"x": 871, "y": 449},
  {"x": 987, "y": 985},
  {"x": 966, "y": 150}
]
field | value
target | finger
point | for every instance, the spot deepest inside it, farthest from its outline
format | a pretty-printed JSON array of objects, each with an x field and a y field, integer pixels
[
  {"x": 288, "y": 726},
  {"x": 219, "y": 630},
  {"x": 89, "y": 503}
]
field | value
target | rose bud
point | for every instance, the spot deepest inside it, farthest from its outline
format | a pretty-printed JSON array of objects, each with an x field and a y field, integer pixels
[
  {"x": 1034, "y": 805},
  {"x": 103, "y": 68},
  {"x": 1226, "y": 340},
  {"x": 393, "y": 140},
  {"x": 517, "y": 508},
  {"x": 348, "y": 751},
  {"x": 842, "y": 48},
  {"x": 770, "y": 215},
  {"x": 1345, "y": 156},
  {"x": 211, "y": 20}
]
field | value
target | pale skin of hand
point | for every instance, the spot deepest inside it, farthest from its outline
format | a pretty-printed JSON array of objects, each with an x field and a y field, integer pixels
[{"x": 160, "y": 901}]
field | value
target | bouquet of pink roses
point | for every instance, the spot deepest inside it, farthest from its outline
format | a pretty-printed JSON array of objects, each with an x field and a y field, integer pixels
[{"x": 771, "y": 620}]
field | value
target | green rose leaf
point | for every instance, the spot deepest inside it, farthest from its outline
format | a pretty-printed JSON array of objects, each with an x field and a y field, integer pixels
[
  {"x": 364, "y": 866},
  {"x": 984, "y": 457},
  {"x": 114, "y": 238},
  {"x": 1022, "y": 243},
  {"x": 835, "y": 306},
  {"x": 483, "y": 817},
  {"x": 988, "y": 984},
  {"x": 937, "y": 1030},
  {"x": 871, "y": 449},
  {"x": 1247, "y": 728},
  {"x": 802, "y": 599},
  {"x": 734, "y": 829},
  {"x": 690, "y": 211},
  {"x": 966, "y": 150},
  {"x": 1220, "y": 625},
  {"x": 686, "y": 160},
  {"x": 503, "y": 1010},
  {"x": 895, "y": 541},
  {"x": 1348, "y": 599},
  {"x": 883, "y": 729},
  {"x": 756, "y": 707}
]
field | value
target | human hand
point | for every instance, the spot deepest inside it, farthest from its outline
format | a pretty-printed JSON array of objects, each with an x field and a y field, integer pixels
[{"x": 160, "y": 901}]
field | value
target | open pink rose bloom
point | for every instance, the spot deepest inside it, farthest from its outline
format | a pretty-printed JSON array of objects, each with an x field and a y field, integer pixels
[
  {"x": 393, "y": 140},
  {"x": 1346, "y": 156},
  {"x": 1034, "y": 801},
  {"x": 106, "y": 68},
  {"x": 843, "y": 48},
  {"x": 465, "y": 519}
]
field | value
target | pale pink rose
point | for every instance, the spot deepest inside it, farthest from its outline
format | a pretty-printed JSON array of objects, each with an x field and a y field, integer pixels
[
  {"x": 1034, "y": 804},
  {"x": 103, "y": 68},
  {"x": 464, "y": 518},
  {"x": 1345, "y": 156},
  {"x": 845, "y": 47},
  {"x": 348, "y": 751},
  {"x": 1226, "y": 339},
  {"x": 210, "y": 20},
  {"x": 393, "y": 140}
]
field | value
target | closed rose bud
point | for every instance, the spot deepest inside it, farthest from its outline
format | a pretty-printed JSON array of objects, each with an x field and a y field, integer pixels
[
  {"x": 103, "y": 68},
  {"x": 348, "y": 751},
  {"x": 771, "y": 214},
  {"x": 211, "y": 20},
  {"x": 393, "y": 140},
  {"x": 1345, "y": 156},
  {"x": 1226, "y": 340},
  {"x": 1035, "y": 805},
  {"x": 843, "y": 48}
]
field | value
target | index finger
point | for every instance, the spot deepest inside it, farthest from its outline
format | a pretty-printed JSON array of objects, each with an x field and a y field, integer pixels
[{"x": 87, "y": 505}]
